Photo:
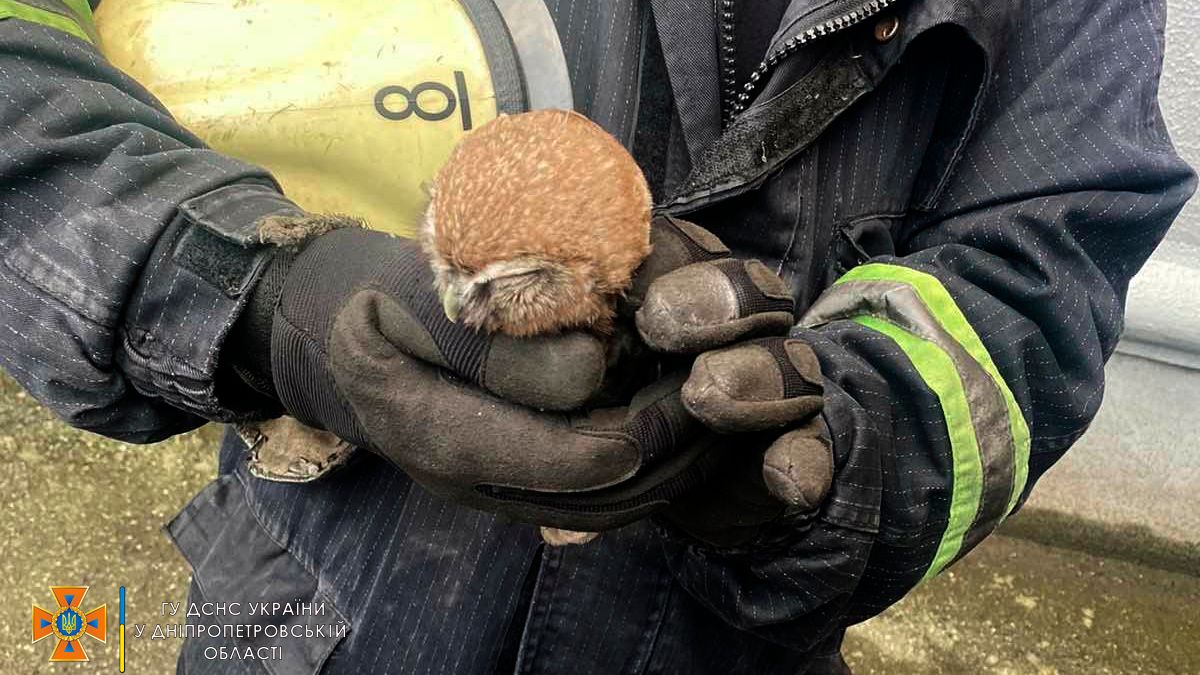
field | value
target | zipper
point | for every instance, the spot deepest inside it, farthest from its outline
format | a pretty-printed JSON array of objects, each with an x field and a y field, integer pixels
[
  {"x": 789, "y": 46},
  {"x": 728, "y": 60}
]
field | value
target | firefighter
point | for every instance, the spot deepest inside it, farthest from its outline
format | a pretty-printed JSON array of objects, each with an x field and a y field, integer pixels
[{"x": 955, "y": 193}]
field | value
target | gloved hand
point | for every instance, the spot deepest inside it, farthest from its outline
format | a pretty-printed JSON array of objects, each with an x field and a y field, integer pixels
[
  {"x": 359, "y": 346},
  {"x": 764, "y": 397},
  {"x": 760, "y": 390},
  {"x": 350, "y": 266}
]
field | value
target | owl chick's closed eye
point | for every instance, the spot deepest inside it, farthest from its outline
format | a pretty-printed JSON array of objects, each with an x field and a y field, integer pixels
[{"x": 536, "y": 224}]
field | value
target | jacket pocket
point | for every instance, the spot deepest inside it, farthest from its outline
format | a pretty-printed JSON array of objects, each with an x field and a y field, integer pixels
[
  {"x": 280, "y": 610},
  {"x": 860, "y": 240}
]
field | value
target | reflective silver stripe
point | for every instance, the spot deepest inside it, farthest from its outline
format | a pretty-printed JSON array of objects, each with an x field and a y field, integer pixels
[
  {"x": 899, "y": 303},
  {"x": 542, "y": 61}
]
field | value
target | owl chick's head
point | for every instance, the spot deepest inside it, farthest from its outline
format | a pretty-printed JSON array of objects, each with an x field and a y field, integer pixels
[
  {"x": 523, "y": 296},
  {"x": 536, "y": 223}
]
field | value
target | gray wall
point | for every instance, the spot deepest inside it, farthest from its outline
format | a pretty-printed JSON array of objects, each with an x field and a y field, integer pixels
[
  {"x": 1139, "y": 464},
  {"x": 1163, "y": 314},
  {"x": 1181, "y": 104}
]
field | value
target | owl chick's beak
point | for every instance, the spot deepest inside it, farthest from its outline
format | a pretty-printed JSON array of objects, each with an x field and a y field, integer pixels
[{"x": 452, "y": 302}]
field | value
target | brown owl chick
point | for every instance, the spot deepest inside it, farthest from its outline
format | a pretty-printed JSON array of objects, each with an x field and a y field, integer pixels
[{"x": 536, "y": 224}]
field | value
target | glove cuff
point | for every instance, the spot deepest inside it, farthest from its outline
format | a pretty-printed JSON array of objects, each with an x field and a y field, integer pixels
[
  {"x": 249, "y": 344},
  {"x": 248, "y": 348},
  {"x": 301, "y": 298}
]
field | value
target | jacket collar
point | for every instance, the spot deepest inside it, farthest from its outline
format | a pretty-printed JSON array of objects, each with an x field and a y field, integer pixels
[
  {"x": 689, "y": 39},
  {"x": 848, "y": 69},
  {"x": 986, "y": 22}
]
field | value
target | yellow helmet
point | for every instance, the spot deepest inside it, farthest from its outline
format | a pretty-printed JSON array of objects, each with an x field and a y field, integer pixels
[{"x": 351, "y": 105}]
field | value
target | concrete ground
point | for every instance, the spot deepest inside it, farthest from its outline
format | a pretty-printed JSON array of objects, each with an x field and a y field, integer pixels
[
  {"x": 77, "y": 509},
  {"x": 1015, "y": 606}
]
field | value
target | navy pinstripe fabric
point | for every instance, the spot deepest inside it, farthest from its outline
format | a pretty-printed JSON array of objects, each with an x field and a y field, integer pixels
[
  {"x": 1015, "y": 153},
  {"x": 78, "y": 143},
  {"x": 603, "y": 45}
]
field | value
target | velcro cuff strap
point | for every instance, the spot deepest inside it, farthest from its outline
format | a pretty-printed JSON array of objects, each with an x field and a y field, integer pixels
[
  {"x": 221, "y": 243},
  {"x": 234, "y": 211}
]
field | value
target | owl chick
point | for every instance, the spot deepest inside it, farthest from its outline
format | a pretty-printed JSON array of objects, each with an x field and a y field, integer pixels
[{"x": 536, "y": 224}]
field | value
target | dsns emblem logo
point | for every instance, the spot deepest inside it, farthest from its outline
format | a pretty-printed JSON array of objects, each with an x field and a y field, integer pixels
[{"x": 69, "y": 623}]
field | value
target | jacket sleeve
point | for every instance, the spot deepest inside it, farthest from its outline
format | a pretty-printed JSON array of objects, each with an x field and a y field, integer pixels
[
  {"x": 960, "y": 369},
  {"x": 113, "y": 298}
]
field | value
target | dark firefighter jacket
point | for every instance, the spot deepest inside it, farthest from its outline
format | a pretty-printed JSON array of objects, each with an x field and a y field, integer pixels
[{"x": 958, "y": 191}]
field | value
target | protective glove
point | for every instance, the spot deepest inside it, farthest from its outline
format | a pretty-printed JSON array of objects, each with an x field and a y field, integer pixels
[
  {"x": 691, "y": 296},
  {"x": 348, "y": 265},
  {"x": 764, "y": 398},
  {"x": 758, "y": 391},
  {"x": 359, "y": 346}
]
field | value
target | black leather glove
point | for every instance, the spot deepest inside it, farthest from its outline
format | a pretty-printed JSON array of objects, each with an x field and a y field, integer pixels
[
  {"x": 764, "y": 398},
  {"x": 691, "y": 296},
  {"x": 351, "y": 266},
  {"x": 359, "y": 346},
  {"x": 758, "y": 391}
]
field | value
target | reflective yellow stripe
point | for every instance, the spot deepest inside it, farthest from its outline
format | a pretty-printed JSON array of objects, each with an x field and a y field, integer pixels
[
  {"x": 937, "y": 298},
  {"x": 82, "y": 8},
  {"x": 80, "y": 26},
  {"x": 937, "y": 369},
  {"x": 83, "y": 16}
]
